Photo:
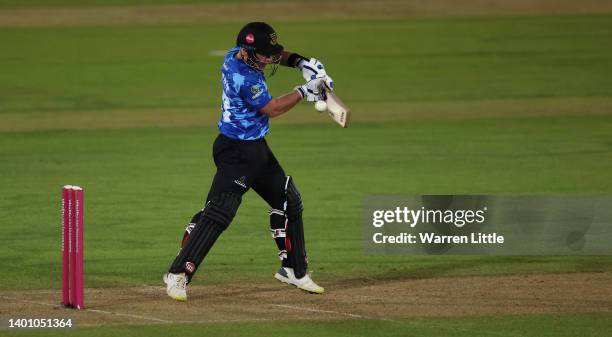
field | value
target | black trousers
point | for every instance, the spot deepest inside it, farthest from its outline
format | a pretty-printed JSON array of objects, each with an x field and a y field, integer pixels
[{"x": 245, "y": 164}]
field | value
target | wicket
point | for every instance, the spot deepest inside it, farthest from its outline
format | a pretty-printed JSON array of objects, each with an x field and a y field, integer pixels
[{"x": 72, "y": 247}]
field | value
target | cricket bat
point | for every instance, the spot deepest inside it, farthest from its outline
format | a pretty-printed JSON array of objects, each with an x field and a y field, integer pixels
[{"x": 337, "y": 110}]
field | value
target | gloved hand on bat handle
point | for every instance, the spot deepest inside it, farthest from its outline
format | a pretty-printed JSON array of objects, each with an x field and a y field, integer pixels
[
  {"x": 313, "y": 90},
  {"x": 312, "y": 69}
]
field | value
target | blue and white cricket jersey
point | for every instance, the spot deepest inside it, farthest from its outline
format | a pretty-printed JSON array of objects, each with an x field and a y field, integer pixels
[{"x": 244, "y": 93}]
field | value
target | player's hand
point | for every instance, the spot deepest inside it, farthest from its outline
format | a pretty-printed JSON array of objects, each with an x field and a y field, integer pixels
[
  {"x": 313, "y": 69},
  {"x": 313, "y": 90}
]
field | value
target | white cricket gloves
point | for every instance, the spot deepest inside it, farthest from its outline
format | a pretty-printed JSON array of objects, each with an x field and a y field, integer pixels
[
  {"x": 316, "y": 77},
  {"x": 313, "y": 90}
]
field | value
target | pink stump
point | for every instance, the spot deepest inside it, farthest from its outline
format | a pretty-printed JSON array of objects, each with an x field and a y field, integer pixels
[
  {"x": 65, "y": 243},
  {"x": 78, "y": 289},
  {"x": 72, "y": 247}
]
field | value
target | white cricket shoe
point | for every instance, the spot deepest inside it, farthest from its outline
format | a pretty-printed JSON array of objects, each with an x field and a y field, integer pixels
[
  {"x": 286, "y": 275},
  {"x": 176, "y": 286}
]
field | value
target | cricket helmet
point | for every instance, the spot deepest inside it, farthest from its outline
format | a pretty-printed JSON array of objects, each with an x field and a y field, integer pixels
[{"x": 260, "y": 38}]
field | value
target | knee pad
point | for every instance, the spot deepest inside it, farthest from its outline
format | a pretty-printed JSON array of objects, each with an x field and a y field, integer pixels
[
  {"x": 222, "y": 208},
  {"x": 294, "y": 199}
]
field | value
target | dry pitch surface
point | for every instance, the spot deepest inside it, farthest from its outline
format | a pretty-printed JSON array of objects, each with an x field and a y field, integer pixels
[{"x": 345, "y": 299}]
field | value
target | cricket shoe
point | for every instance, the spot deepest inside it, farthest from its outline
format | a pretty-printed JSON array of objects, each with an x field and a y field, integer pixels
[
  {"x": 176, "y": 286},
  {"x": 305, "y": 283}
]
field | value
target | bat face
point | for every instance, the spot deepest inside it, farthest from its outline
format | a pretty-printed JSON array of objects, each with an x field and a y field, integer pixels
[{"x": 336, "y": 109}]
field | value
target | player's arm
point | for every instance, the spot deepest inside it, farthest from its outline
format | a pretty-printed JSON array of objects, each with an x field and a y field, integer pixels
[
  {"x": 279, "y": 105},
  {"x": 312, "y": 91}
]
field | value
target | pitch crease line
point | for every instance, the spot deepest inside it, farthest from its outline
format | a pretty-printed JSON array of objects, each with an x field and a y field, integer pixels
[
  {"x": 91, "y": 310},
  {"x": 324, "y": 311},
  {"x": 31, "y": 302},
  {"x": 129, "y": 315}
]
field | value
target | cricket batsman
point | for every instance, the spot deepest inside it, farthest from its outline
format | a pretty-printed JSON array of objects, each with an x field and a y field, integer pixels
[{"x": 244, "y": 160}]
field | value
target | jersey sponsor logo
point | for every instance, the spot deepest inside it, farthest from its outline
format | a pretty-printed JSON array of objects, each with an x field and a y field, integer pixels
[
  {"x": 250, "y": 38},
  {"x": 256, "y": 90}
]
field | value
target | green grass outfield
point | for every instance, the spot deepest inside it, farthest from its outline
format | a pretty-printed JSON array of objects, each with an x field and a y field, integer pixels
[
  {"x": 441, "y": 106},
  {"x": 524, "y": 326}
]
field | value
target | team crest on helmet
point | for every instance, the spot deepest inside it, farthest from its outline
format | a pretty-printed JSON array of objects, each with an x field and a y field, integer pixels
[{"x": 273, "y": 39}]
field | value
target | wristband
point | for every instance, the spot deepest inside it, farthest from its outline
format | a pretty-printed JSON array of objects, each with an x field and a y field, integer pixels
[
  {"x": 294, "y": 59},
  {"x": 300, "y": 91}
]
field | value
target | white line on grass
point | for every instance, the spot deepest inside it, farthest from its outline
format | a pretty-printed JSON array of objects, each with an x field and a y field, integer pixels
[
  {"x": 92, "y": 310},
  {"x": 129, "y": 315},
  {"x": 327, "y": 312},
  {"x": 31, "y": 302}
]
